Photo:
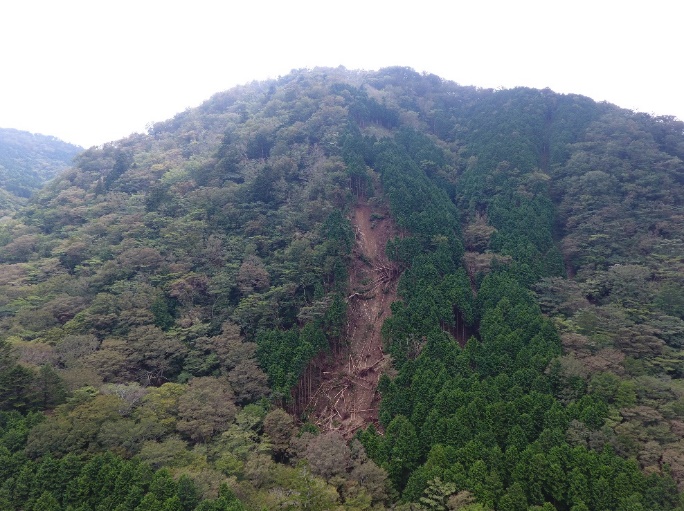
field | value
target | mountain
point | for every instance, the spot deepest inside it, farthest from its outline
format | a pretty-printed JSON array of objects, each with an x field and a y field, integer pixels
[
  {"x": 27, "y": 162},
  {"x": 353, "y": 290}
]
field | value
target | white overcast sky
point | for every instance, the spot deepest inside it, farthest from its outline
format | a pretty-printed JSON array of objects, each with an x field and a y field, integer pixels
[{"x": 94, "y": 71}]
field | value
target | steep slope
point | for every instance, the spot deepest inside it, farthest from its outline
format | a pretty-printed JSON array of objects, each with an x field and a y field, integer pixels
[
  {"x": 347, "y": 398},
  {"x": 177, "y": 286}
]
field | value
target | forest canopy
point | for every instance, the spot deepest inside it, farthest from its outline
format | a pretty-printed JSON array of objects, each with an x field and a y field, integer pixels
[
  {"x": 27, "y": 162},
  {"x": 171, "y": 304}
]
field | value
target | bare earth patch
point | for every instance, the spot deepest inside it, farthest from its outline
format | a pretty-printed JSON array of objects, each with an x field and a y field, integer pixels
[{"x": 346, "y": 398}]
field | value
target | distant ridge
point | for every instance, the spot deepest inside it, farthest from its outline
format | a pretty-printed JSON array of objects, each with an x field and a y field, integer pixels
[{"x": 27, "y": 161}]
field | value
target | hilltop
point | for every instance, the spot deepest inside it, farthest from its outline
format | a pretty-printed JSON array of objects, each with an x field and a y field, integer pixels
[{"x": 346, "y": 288}]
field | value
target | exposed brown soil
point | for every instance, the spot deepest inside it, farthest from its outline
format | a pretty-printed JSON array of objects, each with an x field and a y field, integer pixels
[{"x": 346, "y": 398}]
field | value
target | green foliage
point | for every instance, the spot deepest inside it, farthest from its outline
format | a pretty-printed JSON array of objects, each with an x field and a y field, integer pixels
[
  {"x": 141, "y": 291},
  {"x": 16, "y": 392},
  {"x": 103, "y": 482},
  {"x": 27, "y": 162}
]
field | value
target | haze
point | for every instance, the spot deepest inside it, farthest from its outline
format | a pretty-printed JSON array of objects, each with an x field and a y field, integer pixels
[{"x": 89, "y": 72}]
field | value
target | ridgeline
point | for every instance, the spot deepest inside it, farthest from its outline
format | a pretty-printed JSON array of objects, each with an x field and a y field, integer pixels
[{"x": 352, "y": 290}]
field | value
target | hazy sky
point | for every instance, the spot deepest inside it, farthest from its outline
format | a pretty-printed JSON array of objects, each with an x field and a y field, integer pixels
[{"x": 89, "y": 71}]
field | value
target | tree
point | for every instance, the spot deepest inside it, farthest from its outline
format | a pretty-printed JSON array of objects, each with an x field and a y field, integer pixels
[
  {"x": 328, "y": 455},
  {"x": 75, "y": 426},
  {"x": 279, "y": 428},
  {"x": 122, "y": 162},
  {"x": 47, "y": 502},
  {"x": 157, "y": 356},
  {"x": 250, "y": 382},
  {"x": 401, "y": 449},
  {"x": 373, "y": 479},
  {"x": 206, "y": 408},
  {"x": 170, "y": 452},
  {"x": 15, "y": 381},
  {"x": 150, "y": 502},
  {"x": 50, "y": 389},
  {"x": 514, "y": 499},
  {"x": 252, "y": 276},
  {"x": 163, "y": 485},
  {"x": 437, "y": 494},
  {"x": 160, "y": 404}
]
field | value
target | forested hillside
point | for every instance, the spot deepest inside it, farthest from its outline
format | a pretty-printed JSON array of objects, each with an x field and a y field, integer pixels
[
  {"x": 203, "y": 318},
  {"x": 27, "y": 162}
]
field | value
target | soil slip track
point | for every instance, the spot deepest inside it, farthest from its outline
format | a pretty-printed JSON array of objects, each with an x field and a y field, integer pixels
[{"x": 346, "y": 398}]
